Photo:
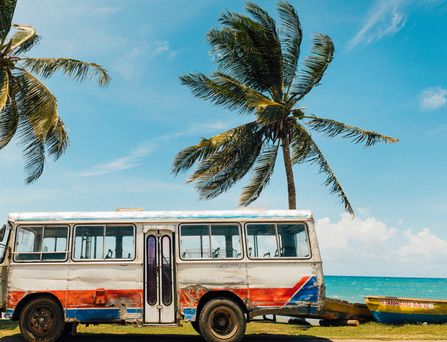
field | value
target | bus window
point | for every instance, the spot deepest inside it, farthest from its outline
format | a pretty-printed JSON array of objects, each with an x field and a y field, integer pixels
[
  {"x": 216, "y": 241},
  {"x": 195, "y": 242},
  {"x": 262, "y": 241},
  {"x": 119, "y": 242},
  {"x": 104, "y": 242},
  {"x": 44, "y": 243},
  {"x": 282, "y": 240},
  {"x": 293, "y": 240},
  {"x": 225, "y": 241},
  {"x": 89, "y": 242}
]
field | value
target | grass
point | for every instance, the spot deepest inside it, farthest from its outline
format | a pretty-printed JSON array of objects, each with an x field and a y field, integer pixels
[{"x": 364, "y": 331}]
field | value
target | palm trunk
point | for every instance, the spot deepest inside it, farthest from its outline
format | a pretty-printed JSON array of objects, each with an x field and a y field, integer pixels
[{"x": 289, "y": 173}]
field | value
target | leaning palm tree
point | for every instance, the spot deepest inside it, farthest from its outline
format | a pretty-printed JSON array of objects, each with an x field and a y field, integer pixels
[
  {"x": 257, "y": 74},
  {"x": 28, "y": 109}
]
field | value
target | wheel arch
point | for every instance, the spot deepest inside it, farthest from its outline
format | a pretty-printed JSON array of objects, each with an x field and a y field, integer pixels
[
  {"x": 220, "y": 295},
  {"x": 28, "y": 298}
]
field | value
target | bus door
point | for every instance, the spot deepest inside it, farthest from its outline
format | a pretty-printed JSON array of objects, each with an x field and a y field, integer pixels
[{"x": 159, "y": 281}]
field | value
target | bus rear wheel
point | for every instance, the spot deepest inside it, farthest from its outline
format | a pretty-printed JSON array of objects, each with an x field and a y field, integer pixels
[
  {"x": 41, "y": 320},
  {"x": 222, "y": 320}
]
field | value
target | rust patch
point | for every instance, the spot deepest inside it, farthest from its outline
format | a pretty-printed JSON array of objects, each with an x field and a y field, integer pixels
[{"x": 190, "y": 295}]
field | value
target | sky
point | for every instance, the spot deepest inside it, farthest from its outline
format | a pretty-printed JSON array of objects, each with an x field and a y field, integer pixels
[{"x": 389, "y": 74}]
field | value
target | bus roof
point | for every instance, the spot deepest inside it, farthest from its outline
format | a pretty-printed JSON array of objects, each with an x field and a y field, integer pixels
[{"x": 159, "y": 216}]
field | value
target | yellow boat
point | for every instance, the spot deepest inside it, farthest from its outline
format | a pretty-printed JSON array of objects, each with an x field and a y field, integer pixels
[{"x": 395, "y": 310}]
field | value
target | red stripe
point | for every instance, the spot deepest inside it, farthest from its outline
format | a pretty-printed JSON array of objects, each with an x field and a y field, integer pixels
[
  {"x": 85, "y": 298},
  {"x": 189, "y": 297}
]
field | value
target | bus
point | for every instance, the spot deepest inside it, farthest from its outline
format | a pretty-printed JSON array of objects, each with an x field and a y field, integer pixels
[{"x": 215, "y": 269}]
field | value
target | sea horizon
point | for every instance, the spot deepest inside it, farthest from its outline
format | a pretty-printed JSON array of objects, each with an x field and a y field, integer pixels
[{"x": 355, "y": 288}]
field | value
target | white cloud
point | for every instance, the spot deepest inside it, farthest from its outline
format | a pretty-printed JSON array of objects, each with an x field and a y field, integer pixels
[
  {"x": 433, "y": 98},
  {"x": 129, "y": 64},
  {"x": 163, "y": 47},
  {"x": 349, "y": 237},
  {"x": 385, "y": 18},
  {"x": 423, "y": 245},
  {"x": 135, "y": 157},
  {"x": 367, "y": 246},
  {"x": 130, "y": 161}
]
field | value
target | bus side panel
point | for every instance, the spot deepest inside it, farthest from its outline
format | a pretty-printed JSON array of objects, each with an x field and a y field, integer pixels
[
  {"x": 28, "y": 278},
  {"x": 196, "y": 278},
  {"x": 292, "y": 286},
  {"x": 104, "y": 292},
  {"x": 87, "y": 292}
]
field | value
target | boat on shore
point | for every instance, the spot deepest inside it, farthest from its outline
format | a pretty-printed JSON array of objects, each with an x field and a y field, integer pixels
[{"x": 395, "y": 310}]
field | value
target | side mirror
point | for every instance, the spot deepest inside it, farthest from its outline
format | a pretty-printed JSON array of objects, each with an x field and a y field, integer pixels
[{"x": 2, "y": 232}]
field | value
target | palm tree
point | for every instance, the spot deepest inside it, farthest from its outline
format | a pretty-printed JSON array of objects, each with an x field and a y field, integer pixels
[
  {"x": 28, "y": 109},
  {"x": 257, "y": 74}
]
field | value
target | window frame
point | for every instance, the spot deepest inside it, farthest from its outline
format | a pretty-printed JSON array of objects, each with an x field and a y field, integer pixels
[
  {"x": 105, "y": 225},
  {"x": 67, "y": 249},
  {"x": 306, "y": 229},
  {"x": 241, "y": 238},
  {"x": 6, "y": 243}
]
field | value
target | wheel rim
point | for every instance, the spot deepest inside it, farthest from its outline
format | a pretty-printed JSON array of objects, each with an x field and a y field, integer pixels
[
  {"x": 223, "y": 323},
  {"x": 42, "y": 321}
]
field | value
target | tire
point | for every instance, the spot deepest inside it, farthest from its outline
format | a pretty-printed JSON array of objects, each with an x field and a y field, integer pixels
[
  {"x": 195, "y": 325},
  {"x": 41, "y": 320},
  {"x": 222, "y": 320}
]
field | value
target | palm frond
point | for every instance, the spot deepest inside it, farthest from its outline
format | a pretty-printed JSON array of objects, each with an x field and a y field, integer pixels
[
  {"x": 7, "y": 8},
  {"x": 9, "y": 119},
  {"x": 249, "y": 50},
  {"x": 186, "y": 158},
  {"x": 291, "y": 42},
  {"x": 73, "y": 68},
  {"x": 4, "y": 88},
  {"x": 231, "y": 157},
  {"x": 270, "y": 45},
  {"x": 23, "y": 36},
  {"x": 315, "y": 156},
  {"x": 299, "y": 143},
  {"x": 33, "y": 151},
  {"x": 225, "y": 167},
  {"x": 314, "y": 66},
  {"x": 333, "y": 128},
  {"x": 36, "y": 103},
  {"x": 235, "y": 55},
  {"x": 27, "y": 45},
  {"x": 262, "y": 172},
  {"x": 57, "y": 139},
  {"x": 225, "y": 91},
  {"x": 270, "y": 114}
]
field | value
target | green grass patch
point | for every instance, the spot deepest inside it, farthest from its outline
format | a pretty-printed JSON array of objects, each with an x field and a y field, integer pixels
[{"x": 365, "y": 331}]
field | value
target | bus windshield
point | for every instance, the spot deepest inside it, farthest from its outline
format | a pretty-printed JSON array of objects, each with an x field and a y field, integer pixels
[{"x": 4, "y": 234}]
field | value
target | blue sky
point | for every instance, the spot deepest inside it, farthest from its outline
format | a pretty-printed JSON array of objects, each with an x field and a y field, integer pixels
[{"x": 389, "y": 74}]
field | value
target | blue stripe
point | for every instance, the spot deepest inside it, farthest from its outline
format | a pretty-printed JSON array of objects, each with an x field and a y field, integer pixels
[
  {"x": 93, "y": 315},
  {"x": 135, "y": 310},
  {"x": 400, "y": 318},
  {"x": 9, "y": 313},
  {"x": 308, "y": 293},
  {"x": 190, "y": 314}
]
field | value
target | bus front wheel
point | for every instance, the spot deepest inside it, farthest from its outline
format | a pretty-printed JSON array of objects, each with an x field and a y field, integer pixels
[
  {"x": 41, "y": 320},
  {"x": 222, "y": 320}
]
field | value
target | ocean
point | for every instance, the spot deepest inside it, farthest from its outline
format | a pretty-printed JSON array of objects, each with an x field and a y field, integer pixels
[{"x": 354, "y": 289}]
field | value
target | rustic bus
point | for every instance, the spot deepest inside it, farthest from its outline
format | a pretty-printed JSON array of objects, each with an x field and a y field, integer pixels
[{"x": 216, "y": 269}]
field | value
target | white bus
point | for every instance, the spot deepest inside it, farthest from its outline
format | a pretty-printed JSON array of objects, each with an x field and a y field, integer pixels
[{"x": 216, "y": 269}]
